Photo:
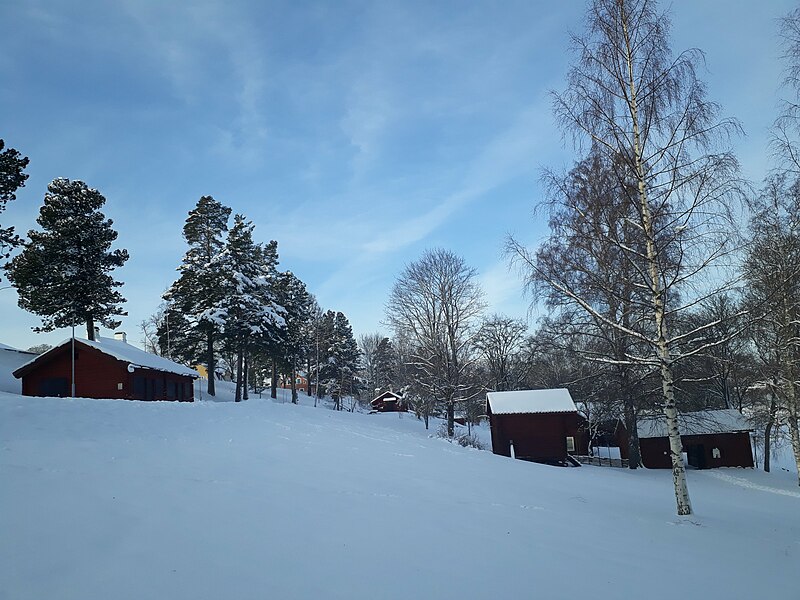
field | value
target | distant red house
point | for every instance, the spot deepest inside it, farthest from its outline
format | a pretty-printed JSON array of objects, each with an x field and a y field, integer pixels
[
  {"x": 389, "y": 402},
  {"x": 710, "y": 438},
  {"x": 536, "y": 425},
  {"x": 106, "y": 368},
  {"x": 301, "y": 383}
]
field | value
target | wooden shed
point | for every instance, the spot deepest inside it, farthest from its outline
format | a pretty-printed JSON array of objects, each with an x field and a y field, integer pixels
[
  {"x": 710, "y": 438},
  {"x": 537, "y": 425},
  {"x": 389, "y": 402},
  {"x": 106, "y": 368}
]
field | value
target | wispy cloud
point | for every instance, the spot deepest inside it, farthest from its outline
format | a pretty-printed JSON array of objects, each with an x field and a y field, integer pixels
[{"x": 182, "y": 40}]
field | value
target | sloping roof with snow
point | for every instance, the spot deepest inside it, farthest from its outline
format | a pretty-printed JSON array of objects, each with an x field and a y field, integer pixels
[
  {"x": 388, "y": 397},
  {"x": 122, "y": 351},
  {"x": 531, "y": 402},
  {"x": 702, "y": 422}
]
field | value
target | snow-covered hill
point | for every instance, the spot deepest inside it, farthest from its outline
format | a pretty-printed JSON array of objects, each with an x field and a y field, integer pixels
[{"x": 117, "y": 499}]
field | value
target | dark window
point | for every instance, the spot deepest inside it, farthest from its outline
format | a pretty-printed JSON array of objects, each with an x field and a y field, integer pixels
[
  {"x": 170, "y": 390},
  {"x": 54, "y": 386},
  {"x": 149, "y": 394}
]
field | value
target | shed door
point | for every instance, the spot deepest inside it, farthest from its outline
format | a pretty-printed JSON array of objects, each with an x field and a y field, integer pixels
[
  {"x": 54, "y": 386},
  {"x": 696, "y": 456}
]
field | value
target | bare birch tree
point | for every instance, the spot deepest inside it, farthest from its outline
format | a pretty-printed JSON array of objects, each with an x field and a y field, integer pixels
[
  {"x": 435, "y": 304},
  {"x": 772, "y": 270},
  {"x": 644, "y": 109}
]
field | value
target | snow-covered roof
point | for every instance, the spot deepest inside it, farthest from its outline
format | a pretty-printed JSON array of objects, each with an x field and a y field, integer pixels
[
  {"x": 696, "y": 423},
  {"x": 127, "y": 353},
  {"x": 531, "y": 402},
  {"x": 388, "y": 397}
]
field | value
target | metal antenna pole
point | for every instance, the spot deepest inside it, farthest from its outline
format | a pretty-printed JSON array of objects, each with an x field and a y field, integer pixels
[{"x": 73, "y": 360}]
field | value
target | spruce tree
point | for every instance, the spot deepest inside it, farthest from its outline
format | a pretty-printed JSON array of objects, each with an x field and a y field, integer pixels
[
  {"x": 342, "y": 359},
  {"x": 199, "y": 292},
  {"x": 12, "y": 177},
  {"x": 63, "y": 273}
]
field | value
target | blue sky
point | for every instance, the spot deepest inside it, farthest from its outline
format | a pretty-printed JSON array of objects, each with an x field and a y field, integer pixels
[{"x": 356, "y": 134}]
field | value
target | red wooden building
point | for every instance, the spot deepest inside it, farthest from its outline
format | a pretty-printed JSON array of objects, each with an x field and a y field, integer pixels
[
  {"x": 389, "y": 402},
  {"x": 537, "y": 425},
  {"x": 710, "y": 438},
  {"x": 106, "y": 368}
]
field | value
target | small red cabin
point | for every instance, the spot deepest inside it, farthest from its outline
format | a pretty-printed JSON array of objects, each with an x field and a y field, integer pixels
[
  {"x": 710, "y": 438},
  {"x": 389, "y": 402},
  {"x": 537, "y": 425},
  {"x": 106, "y": 368}
]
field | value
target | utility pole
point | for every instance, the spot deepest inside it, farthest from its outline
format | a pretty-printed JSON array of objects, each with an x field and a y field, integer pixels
[{"x": 73, "y": 359}]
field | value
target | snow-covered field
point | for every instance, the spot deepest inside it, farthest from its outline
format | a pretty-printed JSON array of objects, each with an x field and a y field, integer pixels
[{"x": 116, "y": 499}]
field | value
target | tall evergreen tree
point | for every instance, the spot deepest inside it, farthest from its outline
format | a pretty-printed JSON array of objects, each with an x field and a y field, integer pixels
[
  {"x": 12, "y": 177},
  {"x": 63, "y": 273},
  {"x": 339, "y": 371},
  {"x": 249, "y": 308},
  {"x": 199, "y": 291},
  {"x": 296, "y": 302}
]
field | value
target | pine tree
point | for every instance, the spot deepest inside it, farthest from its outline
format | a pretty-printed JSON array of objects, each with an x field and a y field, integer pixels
[
  {"x": 249, "y": 307},
  {"x": 296, "y": 301},
  {"x": 12, "y": 177},
  {"x": 199, "y": 291},
  {"x": 385, "y": 360},
  {"x": 63, "y": 273}
]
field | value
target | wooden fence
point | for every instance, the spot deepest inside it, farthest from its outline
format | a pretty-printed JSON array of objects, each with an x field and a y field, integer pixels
[{"x": 599, "y": 461}]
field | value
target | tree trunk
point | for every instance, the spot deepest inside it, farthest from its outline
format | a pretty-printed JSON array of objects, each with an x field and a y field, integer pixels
[
  {"x": 675, "y": 444},
  {"x": 246, "y": 391},
  {"x": 657, "y": 294},
  {"x": 212, "y": 389},
  {"x": 767, "y": 449},
  {"x": 294, "y": 383},
  {"x": 308, "y": 376},
  {"x": 451, "y": 409},
  {"x": 634, "y": 452},
  {"x": 794, "y": 431},
  {"x": 90, "y": 329},
  {"x": 239, "y": 365},
  {"x": 273, "y": 383}
]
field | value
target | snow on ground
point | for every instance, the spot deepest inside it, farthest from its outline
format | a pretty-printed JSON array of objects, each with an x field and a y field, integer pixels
[{"x": 117, "y": 499}]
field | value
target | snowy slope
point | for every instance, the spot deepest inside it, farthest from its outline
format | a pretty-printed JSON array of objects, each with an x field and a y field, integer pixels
[{"x": 118, "y": 499}]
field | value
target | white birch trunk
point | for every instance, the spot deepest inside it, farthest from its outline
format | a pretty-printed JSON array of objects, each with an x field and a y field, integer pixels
[
  {"x": 794, "y": 431},
  {"x": 657, "y": 293}
]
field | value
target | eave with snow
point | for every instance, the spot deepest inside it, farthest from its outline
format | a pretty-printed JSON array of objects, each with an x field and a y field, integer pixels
[
  {"x": 106, "y": 368},
  {"x": 536, "y": 425}
]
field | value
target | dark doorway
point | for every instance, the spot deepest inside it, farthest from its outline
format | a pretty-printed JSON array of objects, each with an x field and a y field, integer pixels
[
  {"x": 54, "y": 386},
  {"x": 696, "y": 455}
]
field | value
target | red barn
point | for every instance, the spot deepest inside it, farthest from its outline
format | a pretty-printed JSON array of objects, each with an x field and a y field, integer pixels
[
  {"x": 106, "y": 368},
  {"x": 537, "y": 425},
  {"x": 710, "y": 438},
  {"x": 388, "y": 402}
]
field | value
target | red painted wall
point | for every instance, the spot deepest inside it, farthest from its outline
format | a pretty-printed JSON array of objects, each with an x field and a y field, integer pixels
[
  {"x": 97, "y": 375},
  {"x": 735, "y": 450},
  {"x": 537, "y": 437}
]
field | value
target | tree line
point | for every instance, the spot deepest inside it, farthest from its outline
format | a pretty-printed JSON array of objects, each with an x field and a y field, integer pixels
[{"x": 229, "y": 299}]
